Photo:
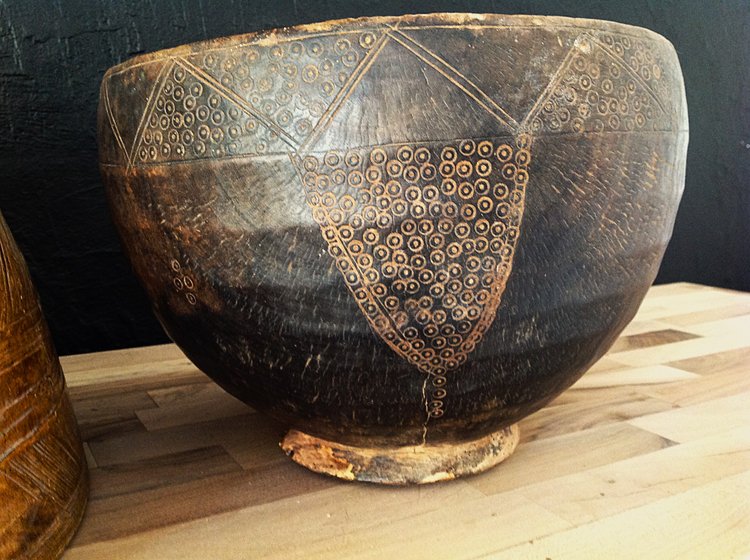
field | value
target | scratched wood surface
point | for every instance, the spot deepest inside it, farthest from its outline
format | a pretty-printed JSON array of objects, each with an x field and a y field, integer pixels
[
  {"x": 43, "y": 481},
  {"x": 647, "y": 456}
]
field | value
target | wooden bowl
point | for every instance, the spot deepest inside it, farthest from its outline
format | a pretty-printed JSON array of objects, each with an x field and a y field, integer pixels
[
  {"x": 398, "y": 235},
  {"x": 43, "y": 475}
]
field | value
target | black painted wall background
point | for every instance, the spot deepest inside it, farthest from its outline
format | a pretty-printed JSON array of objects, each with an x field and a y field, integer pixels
[{"x": 54, "y": 52}]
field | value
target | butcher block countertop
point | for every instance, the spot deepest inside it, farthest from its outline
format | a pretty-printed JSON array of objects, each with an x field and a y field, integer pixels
[{"x": 647, "y": 456}]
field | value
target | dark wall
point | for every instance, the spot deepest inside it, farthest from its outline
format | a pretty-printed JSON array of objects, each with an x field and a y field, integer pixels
[{"x": 53, "y": 54}]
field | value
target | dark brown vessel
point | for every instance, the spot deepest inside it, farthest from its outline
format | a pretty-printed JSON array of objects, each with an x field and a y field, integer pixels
[
  {"x": 43, "y": 476},
  {"x": 398, "y": 235}
]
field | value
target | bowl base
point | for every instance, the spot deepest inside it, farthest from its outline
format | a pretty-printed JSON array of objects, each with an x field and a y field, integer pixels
[{"x": 418, "y": 464}]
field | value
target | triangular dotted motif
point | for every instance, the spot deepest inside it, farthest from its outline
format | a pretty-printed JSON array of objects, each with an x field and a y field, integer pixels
[
  {"x": 641, "y": 58},
  {"x": 290, "y": 83},
  {"x": 424, "y": 236},
  {"x": 589, "y": 94},
  {"x": 125, "y": 97},
  {"x": 190, "y": 119}
]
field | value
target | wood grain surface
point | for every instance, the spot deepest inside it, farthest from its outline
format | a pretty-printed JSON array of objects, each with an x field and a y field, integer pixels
[
  {"x": 647, "y": 456},
  {"x": 43, "y": 479}
]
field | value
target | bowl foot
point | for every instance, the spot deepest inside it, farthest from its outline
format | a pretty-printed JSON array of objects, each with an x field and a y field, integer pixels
[{"x": 419, "y": 464}]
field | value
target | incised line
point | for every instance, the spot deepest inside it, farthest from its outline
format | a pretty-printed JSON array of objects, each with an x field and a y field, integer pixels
[
  {"x": 7, "y": 454},
  {"x": 5, "y": 473},
  {"x": 113, "y": 123},
  {"x": 57, "y": 527},
  {"x": 553, "y": 83},
  {"x": 632, "y": 72},
  {"x": 452, "y": 79},
  {"x": 436, "y": 62},
  {"x": 149, "y": 109},
  {"x": 5, "y": 262},
  {"x": 56, "y": 386},
  {"x": 44, "y": 480},
  {"x": 344, "y": 93},
  {"x": 22, "y": 325},
  {"x": 232, "y": 96}
]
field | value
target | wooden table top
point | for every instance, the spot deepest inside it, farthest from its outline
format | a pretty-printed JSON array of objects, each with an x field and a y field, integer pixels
[{"x": 647, "y": 456}]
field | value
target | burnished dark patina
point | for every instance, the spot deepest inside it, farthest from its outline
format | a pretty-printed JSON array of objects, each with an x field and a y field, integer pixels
[{"x": 398, "y": 235}]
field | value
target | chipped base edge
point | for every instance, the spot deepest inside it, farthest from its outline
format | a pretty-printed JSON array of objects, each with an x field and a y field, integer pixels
[{"x": 420, "y": 464}]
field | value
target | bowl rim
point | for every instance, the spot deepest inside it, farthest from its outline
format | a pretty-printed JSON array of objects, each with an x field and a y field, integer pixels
[{"x": 271, "y": 36}]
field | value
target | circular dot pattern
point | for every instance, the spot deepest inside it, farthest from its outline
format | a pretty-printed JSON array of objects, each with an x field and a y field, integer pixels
[
  {"x": 600, "y": 92},
  {"x": 290, "y": 83},
  {"x": 641, "y": 59},
  {"x": 183, "y": 282},
  {"x": 191, "y": 120},
  {"x": 285, "y": 89},
  {"x": 424, "y": 236}
]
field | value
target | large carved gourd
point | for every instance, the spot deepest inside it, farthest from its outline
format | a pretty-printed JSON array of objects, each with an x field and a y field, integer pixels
[
  {"x": 43, "y": 476},
  {"x": 398, "y": 235}
]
